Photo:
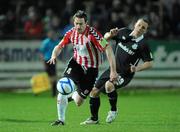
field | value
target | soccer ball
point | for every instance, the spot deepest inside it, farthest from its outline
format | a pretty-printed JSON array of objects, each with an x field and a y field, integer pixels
[{"x": 65, "y": 86}]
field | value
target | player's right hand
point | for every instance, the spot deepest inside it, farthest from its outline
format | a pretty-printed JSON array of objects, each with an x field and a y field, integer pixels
[
  {"x": 113, "y": 76},
  {"x": 113, "y": 32},
  {"x": 52, "y": 60}
]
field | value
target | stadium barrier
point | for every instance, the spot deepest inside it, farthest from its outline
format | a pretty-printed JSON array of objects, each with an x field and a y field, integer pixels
[{"x": 19, "y": 61}]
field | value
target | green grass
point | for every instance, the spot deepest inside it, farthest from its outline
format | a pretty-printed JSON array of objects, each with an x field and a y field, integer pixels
[{"x": 139, "y": 111}]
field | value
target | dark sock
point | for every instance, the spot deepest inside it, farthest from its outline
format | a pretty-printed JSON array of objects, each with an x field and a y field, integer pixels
[
  {"x": 113, "y": 100},
  {"x": 94, "y": 107}
]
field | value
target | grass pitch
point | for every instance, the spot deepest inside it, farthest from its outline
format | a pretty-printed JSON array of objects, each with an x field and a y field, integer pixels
[{"x": 141, "y": 111}]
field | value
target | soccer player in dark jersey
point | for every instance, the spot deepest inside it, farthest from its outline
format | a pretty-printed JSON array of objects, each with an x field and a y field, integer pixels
[
  {"x": 130, "y": 49},
  {"x": 82, "y": 68}
]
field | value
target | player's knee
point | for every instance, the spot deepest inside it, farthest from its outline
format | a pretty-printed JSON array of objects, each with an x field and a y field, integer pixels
[
  {"x": 79, "y": 103},
  {"x": 94, "y": 93},
  {"x": 77, "y": 99},
  {"x": 109, "y": 86}
]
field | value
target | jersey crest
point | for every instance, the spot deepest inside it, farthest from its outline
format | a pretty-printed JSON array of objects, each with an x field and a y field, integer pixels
[{"x": 134, "y": 46}]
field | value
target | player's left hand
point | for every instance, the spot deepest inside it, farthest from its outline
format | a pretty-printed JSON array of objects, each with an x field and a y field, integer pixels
[{"x": 133, "y": 68}]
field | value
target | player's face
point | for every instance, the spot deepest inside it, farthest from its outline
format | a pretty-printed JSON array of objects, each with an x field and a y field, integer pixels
[
  {"x": 79, "y": 24},
  {"x": 140, "y": 27}
]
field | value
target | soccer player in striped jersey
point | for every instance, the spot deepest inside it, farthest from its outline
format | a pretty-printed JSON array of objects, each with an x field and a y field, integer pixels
[
  {"x": 82, "y": 68},
  {"x": 130, "y": 49}
]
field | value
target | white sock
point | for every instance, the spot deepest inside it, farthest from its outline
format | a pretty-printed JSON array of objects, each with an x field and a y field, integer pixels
[{"x": 62, "y": 103}]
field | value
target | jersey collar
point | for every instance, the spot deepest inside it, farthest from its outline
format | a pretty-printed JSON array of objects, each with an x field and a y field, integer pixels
[{"x": 138, "y": 39}]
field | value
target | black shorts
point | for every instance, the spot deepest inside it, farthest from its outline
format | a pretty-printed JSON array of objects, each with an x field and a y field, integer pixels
[
  {"x": 84, "y": 78},
  {"x": 100, "y": 83},
  {"x": 50, "y": 69}
]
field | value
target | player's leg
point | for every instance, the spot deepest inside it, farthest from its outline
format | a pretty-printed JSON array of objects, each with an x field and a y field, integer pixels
[
  {"x": 94, "y": 107},
  {"x": 75, "y": 72},
  {"x": 94, "y": 103},
  {"x": 111, "y": 90},
  {"x": 112, "y": 94},
  {"x": 62, "y": 103},
  {"x": 95, "y": 99},
  {"x": 62, "y": 100},
  {"x": 85, "y": 84},
  {"x": 77, "y": 98}
]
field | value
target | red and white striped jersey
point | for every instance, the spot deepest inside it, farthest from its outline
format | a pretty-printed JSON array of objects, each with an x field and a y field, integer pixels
[{"x": 87, "y": 46}]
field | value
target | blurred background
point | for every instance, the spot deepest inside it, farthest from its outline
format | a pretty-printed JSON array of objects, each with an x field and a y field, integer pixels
[{"x": 24, "y": 25}]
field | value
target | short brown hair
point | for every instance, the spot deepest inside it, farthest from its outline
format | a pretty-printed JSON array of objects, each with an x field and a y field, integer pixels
[{"x": 81, "y": 14}]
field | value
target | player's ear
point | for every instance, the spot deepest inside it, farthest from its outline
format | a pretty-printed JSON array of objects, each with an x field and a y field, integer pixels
[{"x": 146, "y": 30}]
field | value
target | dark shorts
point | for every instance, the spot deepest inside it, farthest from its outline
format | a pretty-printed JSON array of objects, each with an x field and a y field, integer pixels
[
  {"x": 100, "y": 83},
  {"x": 50, "y": 69},
  {"x": 82, "y": 77}
]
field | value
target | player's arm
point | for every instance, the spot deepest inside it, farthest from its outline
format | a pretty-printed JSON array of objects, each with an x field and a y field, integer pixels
[
  {"x": 113, "y": 32},
  {"x": 57, "y": 49},
  {"x": 102, "y": 44},
  {"x": 110, "y": 54},
  {"x": 112, "y": 63},
  {"x": 147, "y": 58},
  {"x": 146, "y": 65}
]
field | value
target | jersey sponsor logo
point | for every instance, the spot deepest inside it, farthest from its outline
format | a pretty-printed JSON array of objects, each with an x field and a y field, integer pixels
[{"x": 126, "y": 49}]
